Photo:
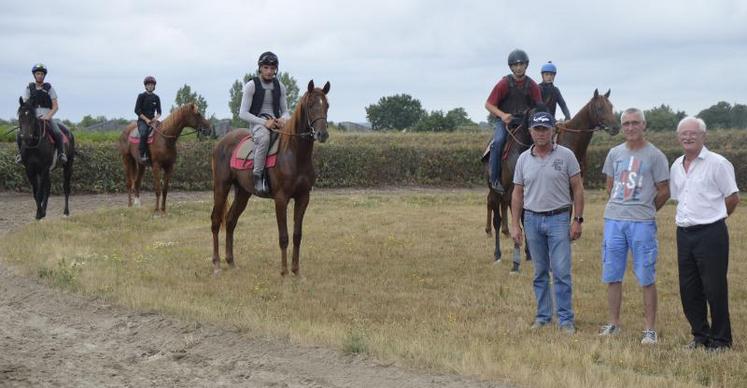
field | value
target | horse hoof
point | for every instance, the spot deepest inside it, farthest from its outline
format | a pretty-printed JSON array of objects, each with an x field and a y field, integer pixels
[
  {"x": 216, "y": 272},
  {"x": 137, "y": 202},
  {"x": 284, "y": 273}
]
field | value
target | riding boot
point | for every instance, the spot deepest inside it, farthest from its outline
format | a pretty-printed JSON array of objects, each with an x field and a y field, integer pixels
[
  {"x": 60, "y": 146},
  {"x": 143, "y": 147},
  {"x": 260, "y": 186},
  {"x": 497, "y": 187}
]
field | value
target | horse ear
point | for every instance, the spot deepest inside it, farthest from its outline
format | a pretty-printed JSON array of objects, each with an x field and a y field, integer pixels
[
  {"x": 326, "y": 87},
  {"x": 194, "y": 108},
  {"x": 20, "y": 101},
  {"x": 596, "y": 93},
  {"x": 608, "y": 93},
  {"x": 311, "y": 86}
]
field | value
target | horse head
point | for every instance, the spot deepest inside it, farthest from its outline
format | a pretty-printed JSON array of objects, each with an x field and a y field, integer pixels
[
  {"x": 601, "y": 113},
  {"x": 315, "y": 106},
  {"x": 197, "y": 120},
  {"x": 28, "y": 124}
]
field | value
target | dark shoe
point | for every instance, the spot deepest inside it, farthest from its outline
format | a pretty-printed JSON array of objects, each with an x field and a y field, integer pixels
[
  {"x": 497, "y": 187},
  {"x": 515, "y": 269},
  {"x": 260, "y": 187},
  {"x": 144, "y": 158},
  {"x": 62, "y": 157},
  {"x": 19, "y": 159}
]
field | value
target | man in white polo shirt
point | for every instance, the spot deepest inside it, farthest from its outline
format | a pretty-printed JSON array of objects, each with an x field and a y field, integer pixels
[{"x": 704, "y": 185}]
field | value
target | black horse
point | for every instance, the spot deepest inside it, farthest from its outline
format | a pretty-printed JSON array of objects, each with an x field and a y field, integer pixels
[{"x": 39, "y": 158}]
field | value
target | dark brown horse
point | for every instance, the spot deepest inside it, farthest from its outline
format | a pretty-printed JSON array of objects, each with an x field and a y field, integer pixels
[
  {"x": 291, "y": 178},
  {"x": 38, "y": 156},
  {"x": 162, "y": 153},
  {"x": 575, "y": 134}
]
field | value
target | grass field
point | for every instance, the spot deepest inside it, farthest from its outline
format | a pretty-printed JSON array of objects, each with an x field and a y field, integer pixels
[{"x": 405, "y": 276}]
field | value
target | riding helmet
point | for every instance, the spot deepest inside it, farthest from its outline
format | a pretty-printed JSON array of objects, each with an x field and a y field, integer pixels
[
  {"x": 39, "y": 67},
  {"x": 149, "y": 80},
  {"x": 549, "y": 67},
  {"x": 518, "y": 56},
  {"x": 268, "y": 58}
]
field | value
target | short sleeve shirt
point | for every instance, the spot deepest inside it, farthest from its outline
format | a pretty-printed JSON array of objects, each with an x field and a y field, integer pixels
[
  {"x": 635, "y": 174},
  {"x": 546, "y": 181}
]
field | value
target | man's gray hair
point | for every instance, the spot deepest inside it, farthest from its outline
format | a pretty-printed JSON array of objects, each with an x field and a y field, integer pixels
[
  {"x": 690, "y": 119},
  {"x": 633, "y": 110}
]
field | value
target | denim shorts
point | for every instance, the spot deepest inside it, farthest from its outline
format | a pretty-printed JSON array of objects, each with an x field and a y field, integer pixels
[{"x": 638, "y": 237}]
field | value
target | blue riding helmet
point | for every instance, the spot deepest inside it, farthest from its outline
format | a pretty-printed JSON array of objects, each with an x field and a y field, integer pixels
[
  {"x": 39, "y": 67},
  {"x": 549, "y": 67}
]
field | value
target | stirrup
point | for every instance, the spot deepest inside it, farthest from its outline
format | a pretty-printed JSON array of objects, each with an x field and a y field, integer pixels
[
  {"x": 19, "y": 159},
  {"x": 62, "y": 157},
  {"x": 497, "y": 187}
]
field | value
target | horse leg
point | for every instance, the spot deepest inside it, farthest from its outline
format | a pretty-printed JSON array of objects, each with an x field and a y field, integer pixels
[
  {"x": 138, "y": 181},
  {"x": 232, "y": 218},
  {"x": 281, "y": 213},
  {"x": 504, "y": 218},
  {"x": 67, "y": 174},
  {"x": 299, "y": 209},
  {"x": 488, "y": 223},
  {"x": 220, "y": 193},
  {"x": 156, "y": 170},
  {"x": 496, "y": 225},
  {"x": 46, "y": 185},
  {"x": 36, "y": 190},
  {"x": 129, "y": 179},
  {"x": 165, "y": 189}
]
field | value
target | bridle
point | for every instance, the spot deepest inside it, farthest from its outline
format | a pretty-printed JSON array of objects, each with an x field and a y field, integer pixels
[
  {"x": 309, "y": 129},
  {"x": 599, "y": 126},
  {"x": 36, "y": 124}
]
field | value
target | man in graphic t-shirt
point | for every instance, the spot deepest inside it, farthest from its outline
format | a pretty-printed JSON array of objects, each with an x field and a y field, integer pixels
[{"x": 638, "y": 185}]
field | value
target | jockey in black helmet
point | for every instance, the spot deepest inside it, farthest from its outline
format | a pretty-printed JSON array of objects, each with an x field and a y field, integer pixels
[
  {"x": 265, "y": 107},
  {"x": 510, "y": 97},
  {"x": 148, "y": 110},
  {"x": 44, "y": 100}
]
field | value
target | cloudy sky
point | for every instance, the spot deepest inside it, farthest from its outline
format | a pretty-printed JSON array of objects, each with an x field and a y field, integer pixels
[{"x": 447, "y": 54}]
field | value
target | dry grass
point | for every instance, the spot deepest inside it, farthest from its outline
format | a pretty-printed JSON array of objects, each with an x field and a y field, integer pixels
[{"x": 405, "y": 276}]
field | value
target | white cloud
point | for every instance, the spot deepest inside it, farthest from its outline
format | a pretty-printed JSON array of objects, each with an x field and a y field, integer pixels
[{"x": 447, "y": 54}]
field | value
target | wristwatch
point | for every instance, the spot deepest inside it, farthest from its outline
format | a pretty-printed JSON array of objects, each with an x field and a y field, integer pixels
[{"x": 579, "y": 219}]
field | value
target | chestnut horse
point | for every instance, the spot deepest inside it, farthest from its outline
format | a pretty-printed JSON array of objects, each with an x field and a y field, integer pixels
[
  {"x": 291, "y": 178},
  {"x": 575, "y": 134},
  {"x": 38, "y": 156},
  {"x": 162, "y": 152}
]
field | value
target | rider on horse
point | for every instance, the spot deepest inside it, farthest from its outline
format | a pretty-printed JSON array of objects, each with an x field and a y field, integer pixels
[
  {"x": 44, "y": 100},
  {"x": 148, "y": 110},
  {"x": 265, "y": 107},
  {"x": 511, "y": 97},
  {"x": 551, "y": 96}
]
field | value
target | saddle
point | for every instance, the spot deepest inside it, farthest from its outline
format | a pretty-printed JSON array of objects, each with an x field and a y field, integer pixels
[
  {"x": 135, "y": 136},
  {"x": 242, "y": 157},
  {"x": 65, "y": 134}
]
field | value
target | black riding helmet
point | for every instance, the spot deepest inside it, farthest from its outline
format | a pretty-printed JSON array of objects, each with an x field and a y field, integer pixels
[
  {"x": 149, "y": 80},
  {"x": 39, "y": 67},
  {"x": 518, "y": 56},
  {"x": 268, "y": 58}
]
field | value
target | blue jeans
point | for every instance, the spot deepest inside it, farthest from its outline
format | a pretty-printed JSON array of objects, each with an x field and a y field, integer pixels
[
  {"x": 638, "y": 237},
  {"x": 496, "y": 150},
  {"x": 549, "y": 241}
]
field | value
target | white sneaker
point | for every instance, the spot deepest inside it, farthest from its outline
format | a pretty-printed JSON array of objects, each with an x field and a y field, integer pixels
[
  {"x": 609, "y": 329},
  {"x": 649, "y": 337}
]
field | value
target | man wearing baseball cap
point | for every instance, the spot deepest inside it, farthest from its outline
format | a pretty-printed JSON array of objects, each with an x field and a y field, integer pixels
[{"x": 548, "y": 187}]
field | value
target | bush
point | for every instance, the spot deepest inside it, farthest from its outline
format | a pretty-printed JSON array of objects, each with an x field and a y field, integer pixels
[{"x": 347, "y": 160}]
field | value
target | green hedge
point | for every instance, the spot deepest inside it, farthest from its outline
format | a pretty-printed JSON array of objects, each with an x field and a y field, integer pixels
[{"x": 98, "y": 167}]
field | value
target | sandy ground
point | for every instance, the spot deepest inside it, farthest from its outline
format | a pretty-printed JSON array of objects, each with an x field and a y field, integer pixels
[{"x": 52, "y": 338}]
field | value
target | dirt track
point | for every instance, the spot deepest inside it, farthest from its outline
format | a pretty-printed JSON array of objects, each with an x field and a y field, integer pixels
[{"x": 51, "y": 338}]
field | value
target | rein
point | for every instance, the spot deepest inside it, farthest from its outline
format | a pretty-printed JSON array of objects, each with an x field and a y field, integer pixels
[
  {"x": 513, "y": 136},
  {"x": 41, "y": 136},
  {"x": 309, "y": 125}
]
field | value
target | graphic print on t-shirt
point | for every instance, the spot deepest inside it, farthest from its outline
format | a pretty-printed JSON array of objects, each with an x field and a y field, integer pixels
[{"x": 628, "y": 185}]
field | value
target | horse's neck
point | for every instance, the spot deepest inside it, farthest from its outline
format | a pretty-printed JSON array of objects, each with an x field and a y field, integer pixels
[
  {"x": 300, "y": 146},
  {"x": 579, "y": 138},
  {"x": 172, "y": 127}
]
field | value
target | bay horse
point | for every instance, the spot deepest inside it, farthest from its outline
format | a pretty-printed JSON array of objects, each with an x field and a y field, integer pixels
[
  {"x": 162, "y": 152},
  {"x": 292, "y": 177},
  {"x": 575, "y": 134},
  {"x": 39, "y": 158}
]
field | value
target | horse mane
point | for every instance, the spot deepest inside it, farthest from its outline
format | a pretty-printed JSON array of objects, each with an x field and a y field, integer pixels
[
  {"x": 176, "y": 116},
  {"x": 297, "y": 119}
]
